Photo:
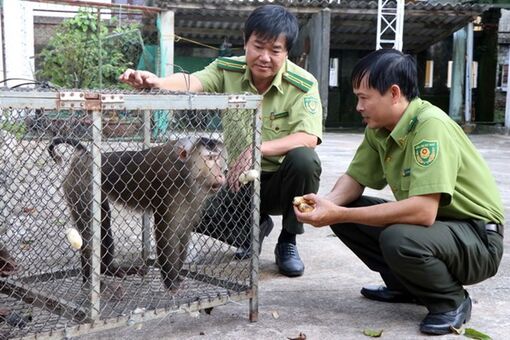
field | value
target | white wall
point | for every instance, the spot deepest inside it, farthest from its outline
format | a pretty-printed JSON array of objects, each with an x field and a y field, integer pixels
[
  {"x": 18, "y": 25},
  {"x": 19, "y": 41}
]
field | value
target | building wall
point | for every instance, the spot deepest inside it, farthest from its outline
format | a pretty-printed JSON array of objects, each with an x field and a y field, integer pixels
[{"x": 503, "y": 50}]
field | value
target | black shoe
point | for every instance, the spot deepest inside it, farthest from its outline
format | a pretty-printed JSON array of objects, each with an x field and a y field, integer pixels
[
  {"x": 442, "y": 323},
  {"x": 288, "y": 260},
  {"x": 266, "y": 225},
  {"x": 381, "y": 293}
]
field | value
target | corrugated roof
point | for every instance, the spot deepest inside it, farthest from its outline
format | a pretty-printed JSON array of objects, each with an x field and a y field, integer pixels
[{"x": 353, "y": 23}]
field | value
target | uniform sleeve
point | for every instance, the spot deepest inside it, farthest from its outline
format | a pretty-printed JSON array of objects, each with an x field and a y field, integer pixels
[
  {"x": 306, "y": 113},
  {"x": 366, "y": 167},
  {"x": 211, "y": 78},
  {"x": 435, "y": 161}
]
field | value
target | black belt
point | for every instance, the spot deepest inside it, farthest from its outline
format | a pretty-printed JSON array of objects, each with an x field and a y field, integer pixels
[{"x": 494, "y": 227}]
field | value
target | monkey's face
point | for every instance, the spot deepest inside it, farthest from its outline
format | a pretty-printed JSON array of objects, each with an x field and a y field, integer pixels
[{"x": 211, "y": 166}]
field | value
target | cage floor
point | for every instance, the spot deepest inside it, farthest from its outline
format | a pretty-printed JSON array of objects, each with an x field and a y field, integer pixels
[{"x": 118, "y": 297}]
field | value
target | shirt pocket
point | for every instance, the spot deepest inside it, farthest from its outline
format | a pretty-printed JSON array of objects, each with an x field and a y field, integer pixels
[{"x": 277, "y": 124}]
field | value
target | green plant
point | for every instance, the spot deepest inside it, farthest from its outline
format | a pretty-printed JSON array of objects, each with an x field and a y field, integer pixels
[{"x": 85, "y": 53}]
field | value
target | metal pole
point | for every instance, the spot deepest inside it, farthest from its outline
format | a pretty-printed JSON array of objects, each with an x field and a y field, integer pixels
[
  {"x": 507, "y": 106},
  {"x": 94, "y": 294},
  {"x": 257, "y": 141},
  {"x": 146, "y": 226},
  {"x": 469, "y": 74},
  {"x": 98, "y": 26}
]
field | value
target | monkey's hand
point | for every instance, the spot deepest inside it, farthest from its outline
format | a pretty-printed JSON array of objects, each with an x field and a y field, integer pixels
[
  {"x": 7, "y": 264},
  {"x": 139, "y": 79}
]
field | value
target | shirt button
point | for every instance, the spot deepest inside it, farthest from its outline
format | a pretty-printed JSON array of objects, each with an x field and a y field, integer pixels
[
  {"x": 277, "y": 128},
  {"x": 387, "y": 159}
]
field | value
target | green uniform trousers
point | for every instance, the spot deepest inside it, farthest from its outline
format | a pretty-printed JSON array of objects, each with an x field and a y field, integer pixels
[
  {"x": 227, "y": 216},
  {"x": 431, "y": 263}
]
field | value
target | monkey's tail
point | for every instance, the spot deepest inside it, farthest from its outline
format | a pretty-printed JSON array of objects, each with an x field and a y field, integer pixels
[{"x": 62, "y": 140}]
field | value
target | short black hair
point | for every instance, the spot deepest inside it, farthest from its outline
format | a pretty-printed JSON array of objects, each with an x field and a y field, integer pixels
[
  {"x": 269, "y": 21},
  {"x": 386, "y": 67}
]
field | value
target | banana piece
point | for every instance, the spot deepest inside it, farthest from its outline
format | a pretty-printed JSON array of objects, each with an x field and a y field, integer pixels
[
  {"x": 302, "y": 204},
  {"x": 248, "y": 176},
  {"x": 74, "y": 238}
]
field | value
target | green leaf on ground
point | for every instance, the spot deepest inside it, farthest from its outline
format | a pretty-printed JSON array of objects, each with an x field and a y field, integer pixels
[
  {"x": 374, "y": 333},
  {"x": 474, "y": 334}
]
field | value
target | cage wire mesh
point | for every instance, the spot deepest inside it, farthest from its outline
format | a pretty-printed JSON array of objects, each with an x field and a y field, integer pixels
[{"x": 130, "y": 266}]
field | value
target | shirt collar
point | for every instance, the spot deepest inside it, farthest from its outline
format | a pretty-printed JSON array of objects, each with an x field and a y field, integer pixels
[
  {"x": 407, "y": 123},
  {"x": 277, "y": 81}
]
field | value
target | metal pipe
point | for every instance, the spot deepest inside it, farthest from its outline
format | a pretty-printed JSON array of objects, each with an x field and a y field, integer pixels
[
  {"x": 126, "y": 7},
  {"x": 469, "y": 74},
  {"x": 255, "y": 246},
  {"x": 94, "y": 293},
  {"x": 146, "y": 218}
]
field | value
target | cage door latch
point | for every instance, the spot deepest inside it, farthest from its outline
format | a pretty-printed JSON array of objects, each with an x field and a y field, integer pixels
[{"x": 236, "y": 101}]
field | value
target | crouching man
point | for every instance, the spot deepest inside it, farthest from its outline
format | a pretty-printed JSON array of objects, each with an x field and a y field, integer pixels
[{"x": 445, "y": 229}]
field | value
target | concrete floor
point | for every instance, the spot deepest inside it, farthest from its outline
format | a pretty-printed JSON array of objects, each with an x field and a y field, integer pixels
[{"x": 325, "y": 302}]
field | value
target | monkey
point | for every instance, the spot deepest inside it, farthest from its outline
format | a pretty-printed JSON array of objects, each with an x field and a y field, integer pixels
[
  {"x": 7, "y": 264},
  {"x": 172, "y": 181}
]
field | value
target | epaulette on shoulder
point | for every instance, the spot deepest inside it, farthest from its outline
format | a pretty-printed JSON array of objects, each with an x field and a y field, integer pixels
[
  {"x": 301, "y": 83},
  {"x": 231, "y": 64}
]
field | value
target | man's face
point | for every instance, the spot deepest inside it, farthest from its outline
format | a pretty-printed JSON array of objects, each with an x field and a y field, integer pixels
[
  {"x": 265, "y": 57},
  {"x": 375, "y": 108}
]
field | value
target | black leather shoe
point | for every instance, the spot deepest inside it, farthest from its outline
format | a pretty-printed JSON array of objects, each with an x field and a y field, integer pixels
[
  {"x": 266, "y": 225},
  {"x": 441, "y": 323},
  {"x": 288, "y": 260},
  {"x": 381, "y": 293}
]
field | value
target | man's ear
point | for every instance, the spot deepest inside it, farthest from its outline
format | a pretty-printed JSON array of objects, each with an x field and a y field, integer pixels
[{"x": 396, "y": 94}]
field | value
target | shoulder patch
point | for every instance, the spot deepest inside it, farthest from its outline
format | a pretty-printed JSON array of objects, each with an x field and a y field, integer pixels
[
  {"x": 311, "y": 104},
  {"x": 426, "y": 152},
  {"x": 301, "y": 83},
  {"x": 231, "y": 65}
]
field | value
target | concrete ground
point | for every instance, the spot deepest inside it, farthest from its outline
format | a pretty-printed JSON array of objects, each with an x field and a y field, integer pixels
[{"x": 325, "y": 302}]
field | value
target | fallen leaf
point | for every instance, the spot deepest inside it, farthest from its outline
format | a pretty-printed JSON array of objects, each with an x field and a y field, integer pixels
[
  {"x": 301, "y": 336},
  {"x": 275, "y": 314},
  {"x": 374, "y": 333},
  {"x": 28, "y": 210},
  {"x": 474, "y": 334}
]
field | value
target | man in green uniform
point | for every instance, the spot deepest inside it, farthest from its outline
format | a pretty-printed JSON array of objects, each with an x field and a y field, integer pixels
[
  {"x": 292, "y": 128},
  {"x": 445, "y": 229}
]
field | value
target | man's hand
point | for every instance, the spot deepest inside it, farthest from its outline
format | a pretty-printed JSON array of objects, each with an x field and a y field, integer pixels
[
  {"x": 139, "y": 79},
  {"x": 324, "y": 214},
  {"x": 242, "y": 164}
]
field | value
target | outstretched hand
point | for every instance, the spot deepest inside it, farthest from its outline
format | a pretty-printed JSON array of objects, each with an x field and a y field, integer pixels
[
  {"x": 324, "y": 213},
  {"x": 139, "y": 79},
  {"x": 242, "y": 164}
]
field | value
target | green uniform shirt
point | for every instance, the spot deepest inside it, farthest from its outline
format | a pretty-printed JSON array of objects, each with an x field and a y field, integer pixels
[
  {"x": 426, "y": 153},
  {"x": 291, "y": 104}
]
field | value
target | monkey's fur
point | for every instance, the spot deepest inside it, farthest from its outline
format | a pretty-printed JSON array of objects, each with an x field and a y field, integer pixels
[
  {"x": 171, "y": 180},
  {"x": 7, "y": 264}
]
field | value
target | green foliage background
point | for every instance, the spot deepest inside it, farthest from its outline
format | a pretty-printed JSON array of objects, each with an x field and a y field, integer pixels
[{"x": 85, "y": 53}]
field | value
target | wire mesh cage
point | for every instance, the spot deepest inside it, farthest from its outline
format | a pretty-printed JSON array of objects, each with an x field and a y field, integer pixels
[{"x": 110, "y": 207}]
